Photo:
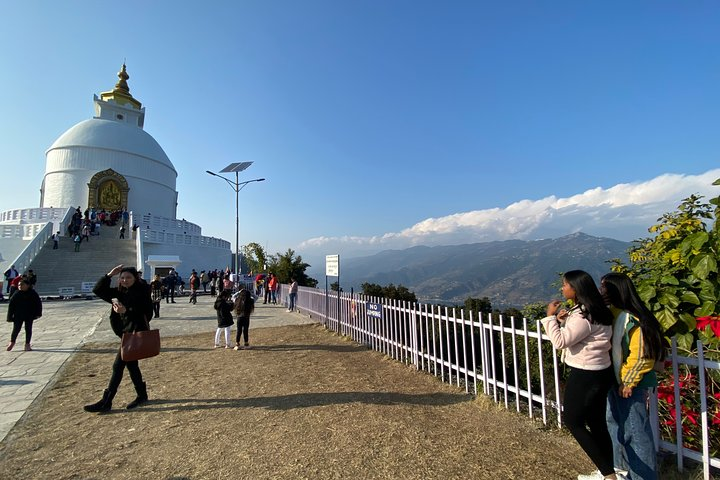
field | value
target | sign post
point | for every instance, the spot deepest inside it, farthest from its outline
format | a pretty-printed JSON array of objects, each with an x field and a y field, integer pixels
[{"x": 332, "y": 269}]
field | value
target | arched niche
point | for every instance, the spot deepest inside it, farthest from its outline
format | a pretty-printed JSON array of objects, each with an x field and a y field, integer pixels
[{"x": 108, "y": 190}]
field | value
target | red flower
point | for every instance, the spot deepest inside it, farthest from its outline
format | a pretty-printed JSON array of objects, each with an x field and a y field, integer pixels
[
  {"x": 716, "y": 418},
  {"x": 712, "y": 320}
]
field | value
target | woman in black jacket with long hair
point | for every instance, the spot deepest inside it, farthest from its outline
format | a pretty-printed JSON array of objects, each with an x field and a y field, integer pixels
[{"x": 131, "y": 312}]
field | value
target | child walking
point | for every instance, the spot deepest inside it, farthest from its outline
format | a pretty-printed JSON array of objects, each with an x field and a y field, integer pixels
[
  {"x": 244, "y": 306},
  {"x": 223, "y": 306}
]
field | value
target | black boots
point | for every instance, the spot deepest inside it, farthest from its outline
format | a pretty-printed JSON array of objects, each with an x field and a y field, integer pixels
[
  {"x": 141, "y": 398},
  {"x": 103, "y": 405}
]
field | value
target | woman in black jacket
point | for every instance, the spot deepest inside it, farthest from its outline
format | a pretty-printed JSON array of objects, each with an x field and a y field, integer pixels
[
  {"x": 131, "y": 312},
  {"x": 24, "y": 307}
]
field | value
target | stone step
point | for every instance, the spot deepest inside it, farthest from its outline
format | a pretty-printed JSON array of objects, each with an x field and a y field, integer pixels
[{"x": 65, "y": 268}]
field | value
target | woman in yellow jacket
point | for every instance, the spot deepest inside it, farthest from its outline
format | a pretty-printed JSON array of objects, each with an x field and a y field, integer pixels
[{"x": 636, "y": 345}]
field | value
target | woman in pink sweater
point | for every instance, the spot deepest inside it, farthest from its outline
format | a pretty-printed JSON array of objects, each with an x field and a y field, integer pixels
[{"x": 584, "y": 333}]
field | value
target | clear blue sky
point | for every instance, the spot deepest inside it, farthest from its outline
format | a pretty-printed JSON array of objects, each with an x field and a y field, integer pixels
[{"x": 370, "y": 117}]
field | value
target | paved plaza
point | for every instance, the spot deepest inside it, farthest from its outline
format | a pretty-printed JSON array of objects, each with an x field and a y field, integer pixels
[{"x": 66, "y": 325}]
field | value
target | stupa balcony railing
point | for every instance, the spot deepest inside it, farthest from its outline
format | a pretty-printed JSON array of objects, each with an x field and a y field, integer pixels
[{"x": 173, "y": 238}]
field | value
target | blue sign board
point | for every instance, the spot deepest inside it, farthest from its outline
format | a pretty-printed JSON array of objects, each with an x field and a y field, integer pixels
[{"x": 374, "y": 310}]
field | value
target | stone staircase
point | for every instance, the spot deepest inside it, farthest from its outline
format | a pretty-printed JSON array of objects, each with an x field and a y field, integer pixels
[{"x": 64, "y": 268}]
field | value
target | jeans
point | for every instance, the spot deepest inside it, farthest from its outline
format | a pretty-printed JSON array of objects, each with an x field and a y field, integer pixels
[
  {"x": 584, "y": 407},
  {"x": 291, "y": 301},
  {"x": 629, "y": 425}
]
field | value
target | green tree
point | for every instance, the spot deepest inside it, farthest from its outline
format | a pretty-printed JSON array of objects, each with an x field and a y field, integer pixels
[
  {"x": 372, "y": 290},
  {"x": 676, "y": 270},
  {"x": 391, "y": 291},
  {"x": 478, "y": 305},
  {"x": 335, "y": 286},
  {"x": 255, "y": 257},
  {"x": 534, "y": 311},
  {"x": 286, "y": 266},
  {"x": 400, "y": 292}
]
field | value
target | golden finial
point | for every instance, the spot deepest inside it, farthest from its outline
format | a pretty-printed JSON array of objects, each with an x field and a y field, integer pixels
[
  {"x": 121, "y": 93},
  {"x": 122, "y": 83}
]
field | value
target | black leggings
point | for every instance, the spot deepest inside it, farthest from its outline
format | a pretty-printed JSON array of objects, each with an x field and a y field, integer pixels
[
  {"x": 584, "y": 407},
  {"x": 117, "y": 373},
  {"x": 243, "y": 324},
  {"x": 17, "y": 325}
]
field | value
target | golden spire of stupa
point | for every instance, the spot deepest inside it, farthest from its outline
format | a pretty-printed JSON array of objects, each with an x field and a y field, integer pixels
[{"x": 121, "y": 93}]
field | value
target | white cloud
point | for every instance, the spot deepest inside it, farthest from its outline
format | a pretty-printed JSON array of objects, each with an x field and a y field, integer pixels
[{"x": 624, "y": 211}]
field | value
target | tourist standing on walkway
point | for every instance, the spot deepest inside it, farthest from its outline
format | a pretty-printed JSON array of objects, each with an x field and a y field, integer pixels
[
  {"x": 204, "y": 279},
  {"x": 637, "y": 343},
  {"x": 170, "y": 282},
  {"x": 585, "y": 341},
  {"x": 273, "y": 286},
  {"x": 24, "y": 307},
  {"x": 244, "y": 306},
  {"x": 130, "y": 312},
  {"x": 194, "y": 286},
  {"x": 214, "y": 280},
  {"x": 77, "y": 240},
  {"x": 156, "y": 293},
  {"x": 223, "y": 306},
  {"x": 266, "y": 293},
  {"x": 292, "y": 294},
  {"x": 56, "y": 240},
  {"x": 10, "y": 275}
]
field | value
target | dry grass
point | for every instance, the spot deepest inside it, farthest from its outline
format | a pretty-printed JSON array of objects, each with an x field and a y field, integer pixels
[{"x": 303, "y": 403}]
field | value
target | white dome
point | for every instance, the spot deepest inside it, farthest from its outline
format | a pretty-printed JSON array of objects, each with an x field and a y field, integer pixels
[{"x": 112, "y": 135}]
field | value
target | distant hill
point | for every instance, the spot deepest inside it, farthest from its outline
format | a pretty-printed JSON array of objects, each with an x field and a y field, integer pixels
[{"x": 509, "y": 273}]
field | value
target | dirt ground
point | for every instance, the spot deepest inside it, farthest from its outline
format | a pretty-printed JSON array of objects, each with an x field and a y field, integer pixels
[{"x": 303, "y": 403}]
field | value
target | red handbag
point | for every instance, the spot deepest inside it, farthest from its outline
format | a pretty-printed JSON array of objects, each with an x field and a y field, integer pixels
[{"x": 139, "y": 345}]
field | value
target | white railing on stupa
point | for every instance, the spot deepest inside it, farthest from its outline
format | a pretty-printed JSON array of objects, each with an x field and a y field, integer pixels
[
  {"x": 154, "y": 229},
  {"x": 165, "y": 224},
  {"x": 30, "y": 216}
]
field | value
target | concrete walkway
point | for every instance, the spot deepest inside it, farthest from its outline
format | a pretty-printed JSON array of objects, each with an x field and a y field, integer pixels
[{"x": 66, "y": 325}]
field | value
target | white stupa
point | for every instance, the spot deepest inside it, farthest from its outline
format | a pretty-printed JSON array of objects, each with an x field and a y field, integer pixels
[{"x": 109, "y": 162}]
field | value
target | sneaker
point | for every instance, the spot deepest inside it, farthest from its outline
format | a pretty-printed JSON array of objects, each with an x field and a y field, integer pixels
[
  {"x": 594, "y": 475},
  {"x": 247, "y": 346},
  {"x": 216, "y": 346},
  {"x": 28, "y": 348},
  {"x": 227, "y": 346},
  {"x": 237, "y": 347},
  {"x": 10, "y": 346}
]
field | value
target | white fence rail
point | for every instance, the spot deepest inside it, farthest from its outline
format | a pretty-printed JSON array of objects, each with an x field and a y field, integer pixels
[{"x": 505, "y": 358}]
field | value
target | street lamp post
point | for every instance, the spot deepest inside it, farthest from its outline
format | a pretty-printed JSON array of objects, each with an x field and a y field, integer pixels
[{"x": 237, "y": 185}]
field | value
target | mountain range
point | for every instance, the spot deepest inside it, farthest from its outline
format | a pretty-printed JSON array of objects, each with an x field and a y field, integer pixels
[{"x": 510, "y": 273}]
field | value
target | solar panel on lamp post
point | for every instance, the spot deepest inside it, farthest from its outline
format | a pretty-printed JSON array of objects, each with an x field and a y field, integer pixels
[{"x": 237, "y": 185}]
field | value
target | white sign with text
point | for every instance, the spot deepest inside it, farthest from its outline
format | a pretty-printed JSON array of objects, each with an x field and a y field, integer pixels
[{"x": 332, "y": 265}]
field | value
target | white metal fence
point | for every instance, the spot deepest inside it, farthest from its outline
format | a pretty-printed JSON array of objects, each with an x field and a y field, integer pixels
[{"x": 505, "y": 358}]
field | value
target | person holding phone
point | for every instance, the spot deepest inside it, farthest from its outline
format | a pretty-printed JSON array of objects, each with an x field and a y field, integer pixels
[
  {"x": 584, "y": 333},
  {"x": 131, "y": 312}
]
